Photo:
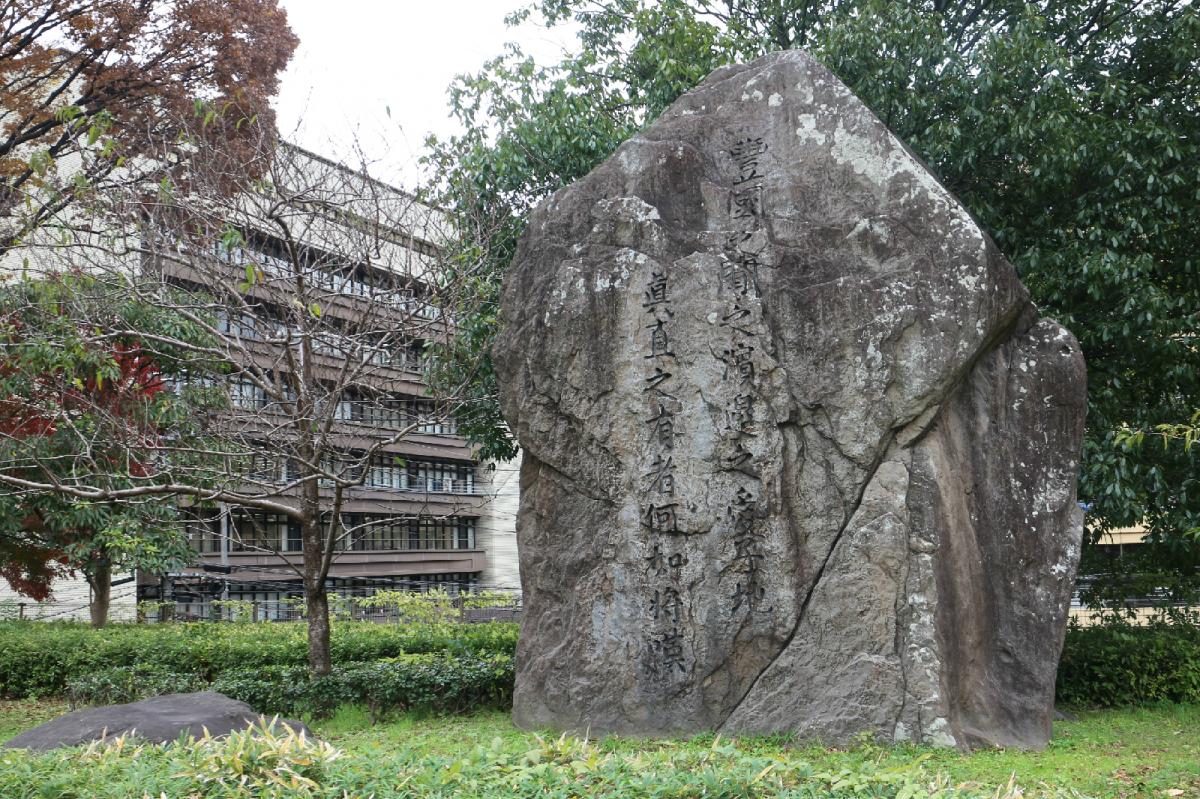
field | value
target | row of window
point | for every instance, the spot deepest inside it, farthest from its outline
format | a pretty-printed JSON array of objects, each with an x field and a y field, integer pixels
[
  {"x": 409, "y": 356},
  {"x": 386, "y": 471},
  {"x": 425, "y": 476},
  {"x": 389, "y": 412},
  {"x": 258, "y": 531},
  {"x": 382, "y": 351},
  {"x": 397, "y": 414},
  {"x": 332, "y": 278}
]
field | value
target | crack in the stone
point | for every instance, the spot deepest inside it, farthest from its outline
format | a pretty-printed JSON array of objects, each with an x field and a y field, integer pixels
[
  {"x": 569, "y": 482},
  {"x": 900, "y": 605},
  {"x": 800, "y": 616}
]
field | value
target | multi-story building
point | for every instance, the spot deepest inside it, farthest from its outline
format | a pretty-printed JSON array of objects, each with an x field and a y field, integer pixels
[{"x": 427, "y": 512}]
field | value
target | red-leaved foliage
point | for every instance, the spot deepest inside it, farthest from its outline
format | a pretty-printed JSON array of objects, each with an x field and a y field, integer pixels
[
  {"x": 139, "y": 66},
  {"x": 30, "y": 568},
  {"x": 27, "y": 561}
]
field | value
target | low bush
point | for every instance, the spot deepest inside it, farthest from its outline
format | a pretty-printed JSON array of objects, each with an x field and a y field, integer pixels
[
  {"x": 39, "y": 658},
  {"x": 287, "y": 765},
  {"x": 129, "y": 684},
  {"x": 1115, "y": 664},
  {"x": 441, "y": 682}
]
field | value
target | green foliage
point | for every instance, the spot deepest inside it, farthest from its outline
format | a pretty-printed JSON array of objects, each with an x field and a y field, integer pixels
[
  {"x": 1185, "y": 433},
  {"x": 39, "y": 658},
  {"x": 267, "y": 761},
  {"x": 129, "y": 684},
  {"x": 432, "y": 607},
  {"x": 1116, "y": 664},
  {"x": 1069, "y": 130},
  {"x": 83, "y": 395},
  {"x": 431, "y": 681},
  {"x": 272, "y": 763},
  {"x": 1131, "y": 754},
  {"x": 441, "y": 682}
]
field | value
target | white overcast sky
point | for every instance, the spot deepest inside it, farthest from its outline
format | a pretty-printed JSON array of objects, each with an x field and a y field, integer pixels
[{"x": 357, "y": 58}]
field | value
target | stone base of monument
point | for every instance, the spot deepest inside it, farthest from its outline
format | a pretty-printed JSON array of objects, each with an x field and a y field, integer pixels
[
  {"x": 799, "y": 452},
  {"x": 160, "y": 719}
]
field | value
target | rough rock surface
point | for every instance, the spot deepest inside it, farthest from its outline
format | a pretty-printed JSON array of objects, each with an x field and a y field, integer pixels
[
  {"x": 160, "y": 719},
  {"x": 799, "y": 454}
]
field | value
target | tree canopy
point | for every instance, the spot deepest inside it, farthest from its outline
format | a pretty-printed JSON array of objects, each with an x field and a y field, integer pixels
[
  {"x": 80, "y": 394},
  {"x": 1069, "y": 130},
  {"x": 109, "y": 80}
]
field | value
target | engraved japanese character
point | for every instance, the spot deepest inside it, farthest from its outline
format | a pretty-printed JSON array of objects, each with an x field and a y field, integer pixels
[
  {"x": 662, "y": 427},
  {"x": 657, "y": 379},
  {"x": 661, "y": 518},
  {"x": 668, "y": 647},
  {"x": 659, "y": 564},
  {"x": 660, "y": 345},
  {"x": 739, "y": 356},
  {"x": 748, "y": 171},
  {"x": 747, "y": 551},
  {"x": 657, "y": 293},
  {"x": 740, "y": 417},
  {"x": 735, "y": 240},
  {"x": 746, "y": 202},
  {"x": 751, "y": 593},
  {"x": 742, "y": 500},
  {"x": 740, "y": 459},
  {"x": 749, "y": 147},
  {"x": 736, "y": 313},
  {"x": 661, "y": 477},
  {"x": 667, "y": 603},
  {"x": 739, "y": 277}
]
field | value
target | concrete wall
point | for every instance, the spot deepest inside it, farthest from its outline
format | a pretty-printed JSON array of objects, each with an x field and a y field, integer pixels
[
  {"x": 496, "y": 532},
  {"x": 70, "y": 602}
]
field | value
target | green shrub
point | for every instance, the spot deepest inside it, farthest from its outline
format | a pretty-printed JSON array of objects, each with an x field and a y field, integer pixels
[
  {"x": 1119, "y": 664},
  {"x": 129, "y": 684},
  {"x": 39, "y": 658},
  {"x": 263, "y": 761},
  {"x": 436, "y": 682},
  {"x": 439, "y": 682},
  {"x": 271, "y": 689},
  {"x": 258, "y": 765}
]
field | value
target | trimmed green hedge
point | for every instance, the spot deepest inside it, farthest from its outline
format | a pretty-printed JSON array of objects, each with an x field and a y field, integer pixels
[
  {"x": 1119, "y": 664},
  {"x": 1106, "y": 666},
  {"x": 437, "y": 681},
  {"x": 40, "y": 658}
]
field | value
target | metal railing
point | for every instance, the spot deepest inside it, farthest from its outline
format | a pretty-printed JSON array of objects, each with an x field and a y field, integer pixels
[
  {"x": 426, "y": 485},
  {"x": 341, "y": 609},
  {"x": 462, "y": 610}
]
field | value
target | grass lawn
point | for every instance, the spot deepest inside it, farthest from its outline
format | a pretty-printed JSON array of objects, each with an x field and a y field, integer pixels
[{"x": 1153, "y": 752}]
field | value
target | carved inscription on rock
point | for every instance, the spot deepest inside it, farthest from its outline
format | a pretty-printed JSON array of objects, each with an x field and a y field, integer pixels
[
  {"x": 787, "y": 415},
  {"x": 704, "y": 365}
]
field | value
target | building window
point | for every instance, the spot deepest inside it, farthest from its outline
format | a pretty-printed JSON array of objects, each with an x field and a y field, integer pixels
[
  {"x": 374, "y": 532},
  {"x": 258, "y": 531},
  {"x": 441, "y": 478},
  {"x": 203, "y": 531}
]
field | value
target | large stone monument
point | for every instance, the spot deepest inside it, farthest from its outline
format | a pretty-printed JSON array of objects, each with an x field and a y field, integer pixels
[{"x": 800, "y": 455}]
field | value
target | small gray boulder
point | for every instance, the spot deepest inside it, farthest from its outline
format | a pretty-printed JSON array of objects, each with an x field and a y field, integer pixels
[{"x": 160, "y": 719}]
